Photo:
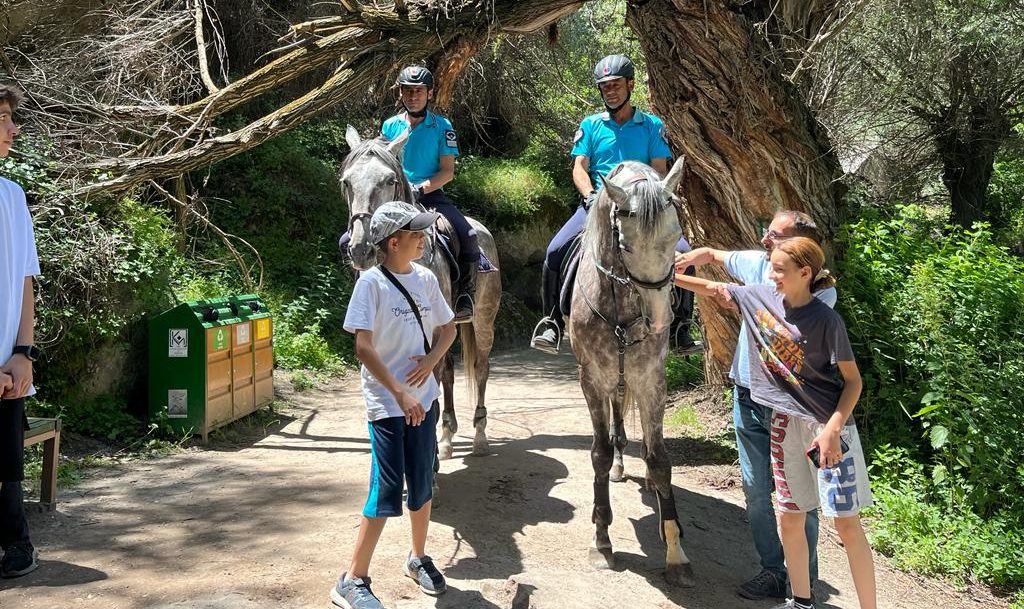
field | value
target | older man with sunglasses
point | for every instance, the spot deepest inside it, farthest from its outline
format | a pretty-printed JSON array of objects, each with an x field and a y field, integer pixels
[{"x": 753, "y": 420}]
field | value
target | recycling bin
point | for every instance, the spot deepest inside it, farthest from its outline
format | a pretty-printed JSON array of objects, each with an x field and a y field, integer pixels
[{"x": 202, "y": 363}]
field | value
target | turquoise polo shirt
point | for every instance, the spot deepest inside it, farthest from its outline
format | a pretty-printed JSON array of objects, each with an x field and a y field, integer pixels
[
  {"x": 430, "y": 140},
  {"x": 606, "y": 143}
]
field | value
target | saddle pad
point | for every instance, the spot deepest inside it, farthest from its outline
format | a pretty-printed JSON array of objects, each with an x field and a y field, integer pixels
[{"x": 486, "y": 266}]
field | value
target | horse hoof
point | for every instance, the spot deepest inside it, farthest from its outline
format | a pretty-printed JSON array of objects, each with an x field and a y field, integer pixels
[
  {"x": 444, "y": 450},
  {"x": 481, "y": 450},
  {"x": 618, "y": 473},
  {"x": 680, "y": 575},
  {"x": 435, "y": 495},
  {"x": 602, "y": 558}
]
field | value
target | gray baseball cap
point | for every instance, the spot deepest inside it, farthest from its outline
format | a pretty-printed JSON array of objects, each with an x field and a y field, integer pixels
[{"x": 397, "y": 215}]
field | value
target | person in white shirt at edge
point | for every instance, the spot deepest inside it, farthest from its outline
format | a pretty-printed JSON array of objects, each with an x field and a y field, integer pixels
[
  {"x": 751, "y": 419},
  {"x": 18, "y": 265},
  {"x": 397, "y": 381}
]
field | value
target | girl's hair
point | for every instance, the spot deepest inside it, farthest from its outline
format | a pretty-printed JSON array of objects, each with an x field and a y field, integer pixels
[
  {"x": 11, "y": 94},
  {"x": 805, "y": 252}
]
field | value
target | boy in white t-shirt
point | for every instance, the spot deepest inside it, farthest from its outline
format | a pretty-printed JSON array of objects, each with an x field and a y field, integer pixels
[
  {"x": 18, "y": 265},
  {"x": 397, "y": 381}
]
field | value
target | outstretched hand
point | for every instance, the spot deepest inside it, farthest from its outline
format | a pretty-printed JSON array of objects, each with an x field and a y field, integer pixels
[{"x": 722, "y": 296}]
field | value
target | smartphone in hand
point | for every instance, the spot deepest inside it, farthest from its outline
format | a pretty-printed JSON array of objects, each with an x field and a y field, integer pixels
[{"x": 814, "y": 454}]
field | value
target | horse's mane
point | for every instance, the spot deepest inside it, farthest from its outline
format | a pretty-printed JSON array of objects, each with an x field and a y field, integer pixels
[
  {"x": 378, "y": 147},
  {"x": 645, "y": 195}
]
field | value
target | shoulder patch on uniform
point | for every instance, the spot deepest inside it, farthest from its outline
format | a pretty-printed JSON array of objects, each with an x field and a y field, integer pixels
[
  {"x": 578, "y": 136},
  {"x": 450, "y": 138}
]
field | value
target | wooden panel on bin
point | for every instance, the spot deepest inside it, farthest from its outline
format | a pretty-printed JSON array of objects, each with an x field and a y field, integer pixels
[
  {"x": 218, "y": 410},
  {"x": 241, "y": 369},
  {"x": 264, "y": 362},
  {"x": 244, "y": 400},
  {"x": 264, "y": 391},
  {"x": 218, "y": 342},
  {"x": 218, "y": 378}
]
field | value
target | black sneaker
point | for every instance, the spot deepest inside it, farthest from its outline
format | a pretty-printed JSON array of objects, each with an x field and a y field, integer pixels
[
  {"x": 766, "y": 584},
  {"x": 20, "y": 559}
]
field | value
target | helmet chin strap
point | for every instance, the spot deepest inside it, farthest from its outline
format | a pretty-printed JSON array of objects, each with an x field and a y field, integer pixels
[
  {"x": 612, "y": 110},
  {"x": 419, "y": 114}
]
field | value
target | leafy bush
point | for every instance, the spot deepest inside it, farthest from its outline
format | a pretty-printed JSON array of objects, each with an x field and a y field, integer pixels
[
  {"x": 683, "y": 372},
  {"x": 935, "y": 315},
  {"x": 507, "y": 193},
  {"x": 937, "y": 538},
  {"x": 1006, "y": 196}
]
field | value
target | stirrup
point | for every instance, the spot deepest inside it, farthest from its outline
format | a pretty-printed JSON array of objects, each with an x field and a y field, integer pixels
[
  {"x": 544, "y": 323},
  {"x": 472, "y": 307}
]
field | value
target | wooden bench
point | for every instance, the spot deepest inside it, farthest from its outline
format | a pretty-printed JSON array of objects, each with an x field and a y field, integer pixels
[{"x": 46, "y": 431}]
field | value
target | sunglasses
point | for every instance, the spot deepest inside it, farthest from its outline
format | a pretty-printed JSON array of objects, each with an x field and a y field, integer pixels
[{"x": 773, "y": 235}]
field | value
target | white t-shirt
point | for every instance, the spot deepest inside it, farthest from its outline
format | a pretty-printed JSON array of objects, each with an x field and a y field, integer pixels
[
  {"x": 18, "y": 260},
  {"x": 377, "y": 305}
]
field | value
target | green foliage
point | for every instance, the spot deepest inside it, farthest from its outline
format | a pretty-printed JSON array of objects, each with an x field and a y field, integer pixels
[
  {"x": 936, "y": 316},
  {"x": 506, "y": 193},
  {"x": 938, "y": 538},
  {"x": 683, "y": 371},
  {"x": 302, "y": 381},
  {"x": 284, "y": 198},
  {"x": 98, "y": 417},
  {"x": 1006, "y": 196}
]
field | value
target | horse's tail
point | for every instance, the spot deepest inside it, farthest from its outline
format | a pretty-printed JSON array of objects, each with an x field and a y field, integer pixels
[{"x": 467, "y": 336}]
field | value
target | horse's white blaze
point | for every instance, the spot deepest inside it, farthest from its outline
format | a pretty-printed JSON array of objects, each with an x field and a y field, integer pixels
[{"x": 674, "y": 554}]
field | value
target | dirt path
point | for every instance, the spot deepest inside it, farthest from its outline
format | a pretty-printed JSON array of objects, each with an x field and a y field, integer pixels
[{"x": 268, "y": 522}]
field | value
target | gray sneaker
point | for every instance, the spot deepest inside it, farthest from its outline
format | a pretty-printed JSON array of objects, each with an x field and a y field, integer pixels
[
  {"x": 20, "y": 559},
  {"x": 354, "y": 593},
  {"x": 424, "y": 573},
  {"x": 792, "y": 604},
  {"x": 766, "y": 584}
]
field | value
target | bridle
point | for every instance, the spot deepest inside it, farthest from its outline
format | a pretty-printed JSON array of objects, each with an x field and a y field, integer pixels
[
  {"x": 384, "y": 154},
  {"x": 637, "y": 330}
]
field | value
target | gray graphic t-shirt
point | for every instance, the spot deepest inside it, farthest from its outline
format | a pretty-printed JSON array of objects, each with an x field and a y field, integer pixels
[{"x": 793, "y": 352}]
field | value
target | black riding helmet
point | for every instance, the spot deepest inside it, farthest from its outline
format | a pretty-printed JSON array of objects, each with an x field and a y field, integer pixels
[
  {"x": 416, "y": 75},
  {"x": 612, "y": 67}
]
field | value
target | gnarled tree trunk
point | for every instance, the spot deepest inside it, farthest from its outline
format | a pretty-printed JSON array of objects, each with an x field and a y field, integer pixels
[{"x": 752, "y": 145}]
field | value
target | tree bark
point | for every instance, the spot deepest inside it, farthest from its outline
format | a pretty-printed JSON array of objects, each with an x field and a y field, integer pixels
[{"x": 752, "y": 145}]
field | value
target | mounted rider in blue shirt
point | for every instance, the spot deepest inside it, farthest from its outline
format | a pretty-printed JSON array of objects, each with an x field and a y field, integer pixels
[
  {"x": 620, "y": 133},
  {"x": 429, "y": 163}
]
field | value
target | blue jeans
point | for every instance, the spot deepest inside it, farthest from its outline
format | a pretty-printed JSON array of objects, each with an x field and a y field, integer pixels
[{"x": 753, "y": 439}]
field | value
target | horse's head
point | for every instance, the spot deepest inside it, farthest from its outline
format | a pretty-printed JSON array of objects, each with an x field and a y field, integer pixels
[
  {"x": 641, "y": 208},
  {"x": 370, "y": 175}
]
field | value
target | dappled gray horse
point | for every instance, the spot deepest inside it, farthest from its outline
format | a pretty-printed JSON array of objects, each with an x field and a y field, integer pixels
[
  {"x": 372, "y": 174},
  {"x": 618, "y": 326}
]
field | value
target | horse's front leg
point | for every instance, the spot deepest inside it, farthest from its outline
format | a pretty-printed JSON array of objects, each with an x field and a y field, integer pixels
[
  {"x": 678, "y": 570},
  {"x": 601, "y": 455},
  {"x": 449, "y": 424},
  {"x": 618, "y": 440}
]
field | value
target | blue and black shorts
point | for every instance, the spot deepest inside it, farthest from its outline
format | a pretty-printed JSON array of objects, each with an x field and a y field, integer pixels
[{"x": 400, "y": 453}]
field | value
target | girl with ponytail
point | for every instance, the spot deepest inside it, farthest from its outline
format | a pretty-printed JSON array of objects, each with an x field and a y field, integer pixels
[{"x": 808, "y": 375}]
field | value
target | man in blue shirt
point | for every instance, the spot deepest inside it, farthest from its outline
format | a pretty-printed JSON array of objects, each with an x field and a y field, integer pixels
[
  {"x": 429, "y": 163},
  {"x": 752, "y": 420},
  {"x": 620, "y": 133}
]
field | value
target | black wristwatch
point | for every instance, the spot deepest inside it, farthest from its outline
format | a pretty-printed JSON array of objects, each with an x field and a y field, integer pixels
[{"x": 29, "y": 351}]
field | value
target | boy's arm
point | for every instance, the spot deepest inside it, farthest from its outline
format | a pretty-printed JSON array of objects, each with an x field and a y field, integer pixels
[
  {"x": 425, "y": 364},
  {"x": 828, "y": 441},
  {"x": 19, "y": 367},
  {"x": 413, "y": 410}
]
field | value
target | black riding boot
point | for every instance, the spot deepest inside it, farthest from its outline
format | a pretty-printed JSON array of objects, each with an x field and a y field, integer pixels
[{"x": 466, "y": 291}]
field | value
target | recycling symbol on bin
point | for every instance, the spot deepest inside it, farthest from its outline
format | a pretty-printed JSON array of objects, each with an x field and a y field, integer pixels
[{"x": 219, "y": 341}]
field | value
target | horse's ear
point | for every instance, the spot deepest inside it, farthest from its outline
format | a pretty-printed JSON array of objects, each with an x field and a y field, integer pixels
[
  {"x": 352, "y": 137},
  {"x": 675, "y": 174},
  {"x": 396, "y": 145},
  {"x": 620, "y": 196}
]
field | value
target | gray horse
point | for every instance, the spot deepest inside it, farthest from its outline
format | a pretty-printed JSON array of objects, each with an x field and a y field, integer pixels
[
  {"x": 372, "y": 174},
  {"x": 618, "y": 326}
]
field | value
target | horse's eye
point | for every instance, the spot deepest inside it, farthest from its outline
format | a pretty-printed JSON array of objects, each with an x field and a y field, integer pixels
[{"x": 392, "y": 181}]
